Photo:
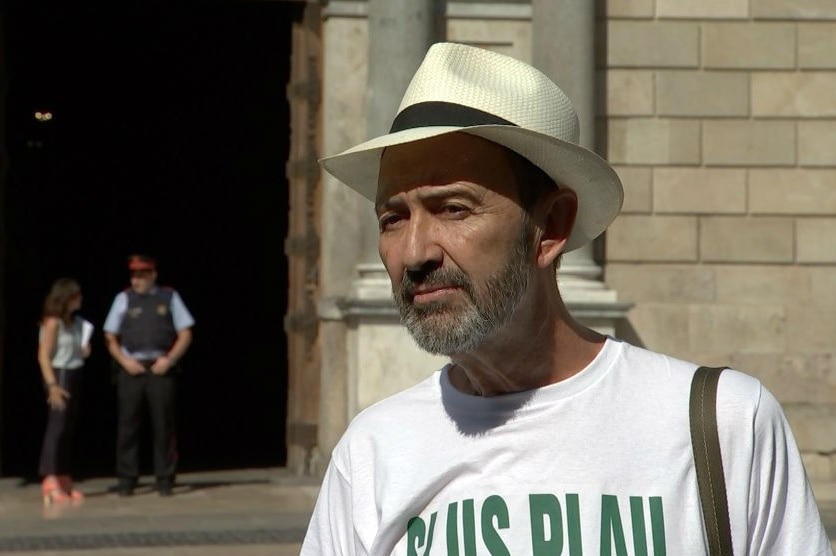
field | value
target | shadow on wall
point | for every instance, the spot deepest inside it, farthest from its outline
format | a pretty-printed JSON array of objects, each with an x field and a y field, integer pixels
[{"x": 624, "y": 330}]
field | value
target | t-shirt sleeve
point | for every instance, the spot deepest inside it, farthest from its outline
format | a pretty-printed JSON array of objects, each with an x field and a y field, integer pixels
[
  {"x": 117, "y": 311},
  {"x": 784, "y": 517},
  {"x": 330, "y": 531},
  {"x": 180, "y": 315}
]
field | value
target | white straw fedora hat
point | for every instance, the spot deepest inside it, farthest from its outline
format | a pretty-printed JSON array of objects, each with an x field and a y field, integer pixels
[{"x": 467, "y": 89}]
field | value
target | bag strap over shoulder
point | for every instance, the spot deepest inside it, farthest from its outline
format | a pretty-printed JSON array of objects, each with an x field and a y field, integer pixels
[{"x": 705, "y": 442}]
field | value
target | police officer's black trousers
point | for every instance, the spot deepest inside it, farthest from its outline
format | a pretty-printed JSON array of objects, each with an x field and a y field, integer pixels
[{"x": 133, "y": 391}]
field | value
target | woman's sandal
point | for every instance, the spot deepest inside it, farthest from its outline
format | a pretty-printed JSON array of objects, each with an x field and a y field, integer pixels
[
  {"x": 67, "y": 486},
  {"x": 53, "y": 492}
]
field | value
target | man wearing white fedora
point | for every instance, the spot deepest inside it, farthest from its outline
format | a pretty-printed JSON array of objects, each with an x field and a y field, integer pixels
[{"x": 540, "y": 436}]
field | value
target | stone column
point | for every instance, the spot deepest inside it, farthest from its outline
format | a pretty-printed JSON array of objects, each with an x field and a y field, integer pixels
[
  {"x": 382, "y": 356},
  {"x": 400, "y": 32},
  {"x": 563, "y": 42}
]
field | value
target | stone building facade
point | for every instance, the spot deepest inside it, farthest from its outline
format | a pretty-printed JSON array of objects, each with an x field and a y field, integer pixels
[{"x": 719, "y": 118}]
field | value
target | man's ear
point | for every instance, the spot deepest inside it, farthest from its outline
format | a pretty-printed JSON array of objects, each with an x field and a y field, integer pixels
[{"x": 555, "y": 216}]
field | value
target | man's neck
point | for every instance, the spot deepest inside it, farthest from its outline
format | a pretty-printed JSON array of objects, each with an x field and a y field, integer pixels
[{"x": 544, "y": 346}]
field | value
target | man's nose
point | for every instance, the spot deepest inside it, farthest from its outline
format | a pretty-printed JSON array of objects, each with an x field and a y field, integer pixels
[{"x": 421, "y": 248}]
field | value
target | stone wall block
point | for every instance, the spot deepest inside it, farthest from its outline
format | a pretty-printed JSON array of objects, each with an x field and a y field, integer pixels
[
  {"x": 811, "y": 329},
  {"x": 792, "y": 191},
  {"x": 792, "y": 94},
  {"x": 703, "y": 355},
  {"x": 817, "y": 143},
  {"x": 643, "y": 9},
  {"x": 749, "y": 240},
  {"x": 748, "y": 143},
  {"x": 819, "y": 467},
  {"x": 662, "y": 283},
  {"x": 814, "y": 241},
  {"x": 757, "y": 284},
  {"x": 379, "y": 343},
  {"x": 652, "y": 238},
  {"x": 792, "y": 377},
  {"x": 823, "y": 286},
  {"x": 793, "y": 9},
  {"x": 695, "y": 93},
  {"x": 653, "y": 141},
  {"x": 817, "y": 45},
  {"x": 511, "y": 37},
  {"x": 638, "y": 188},
  {"x": 652, "y": 44},
  {"x": 814, "y": 426},
  {"x": 707, "y": 9},
  {"x": 699, "y": 190},
  {"x": 738, "y": 328},
  {"x": 748, "y": 46},
  {"x": 630, "y": 93},
  {"x": 662, "y": 327}
]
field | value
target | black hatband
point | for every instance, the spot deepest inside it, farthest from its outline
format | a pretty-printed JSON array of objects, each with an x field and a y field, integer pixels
[{"x": 426, "y": 114}]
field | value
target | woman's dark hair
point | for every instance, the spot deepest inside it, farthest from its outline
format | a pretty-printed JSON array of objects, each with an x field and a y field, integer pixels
[{"x": 57, "y": 302}]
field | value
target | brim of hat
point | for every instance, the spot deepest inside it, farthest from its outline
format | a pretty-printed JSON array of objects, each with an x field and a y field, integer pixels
[{"x": 599, "y": 190}]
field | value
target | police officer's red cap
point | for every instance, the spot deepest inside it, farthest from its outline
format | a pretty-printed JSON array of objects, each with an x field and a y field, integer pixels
[{"x": 141, "y": 262}]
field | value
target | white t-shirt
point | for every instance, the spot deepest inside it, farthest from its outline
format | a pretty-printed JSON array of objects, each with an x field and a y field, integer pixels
[{"x": 598, "y": 464}]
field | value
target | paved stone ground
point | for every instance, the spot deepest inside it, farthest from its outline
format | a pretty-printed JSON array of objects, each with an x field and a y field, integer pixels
[
  {"x": 254, "y": 512},
  {"x": 241, "y": 513}
]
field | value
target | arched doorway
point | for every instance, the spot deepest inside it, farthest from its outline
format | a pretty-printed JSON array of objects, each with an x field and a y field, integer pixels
[{"x": 170, "y": 135}]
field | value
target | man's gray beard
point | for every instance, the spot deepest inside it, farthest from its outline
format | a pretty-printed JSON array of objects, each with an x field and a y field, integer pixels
[{"x": 441, "y": 329}]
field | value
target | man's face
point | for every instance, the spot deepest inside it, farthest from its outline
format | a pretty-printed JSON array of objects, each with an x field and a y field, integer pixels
[
  {"x": 143, "y": 280},
  {"x": 454, "y": 240}
]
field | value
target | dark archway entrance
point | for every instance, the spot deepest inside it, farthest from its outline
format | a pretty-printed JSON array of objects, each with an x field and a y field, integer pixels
[{"x": 169, "y": 136}]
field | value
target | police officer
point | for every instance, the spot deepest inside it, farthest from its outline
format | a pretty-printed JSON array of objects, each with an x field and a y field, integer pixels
[{"x": 147, "y": 331}]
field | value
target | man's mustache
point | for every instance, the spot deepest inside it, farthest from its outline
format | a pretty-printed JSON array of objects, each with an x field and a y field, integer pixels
[{"x": 437, "y": 277}]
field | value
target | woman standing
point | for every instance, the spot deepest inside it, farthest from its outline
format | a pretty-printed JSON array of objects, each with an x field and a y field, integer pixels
[{"x": 62, "y": 348}]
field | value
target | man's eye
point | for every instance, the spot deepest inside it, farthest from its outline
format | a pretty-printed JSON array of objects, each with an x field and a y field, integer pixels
[
  {"x": 454, "y": 210},
  {"x": 388, "y": 220}
]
